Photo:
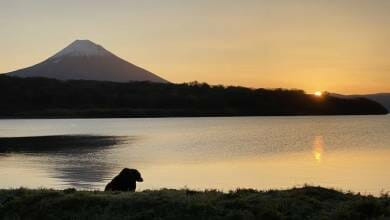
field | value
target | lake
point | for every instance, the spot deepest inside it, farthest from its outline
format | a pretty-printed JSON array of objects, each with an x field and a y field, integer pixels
[{"x": 344, "y": 152}]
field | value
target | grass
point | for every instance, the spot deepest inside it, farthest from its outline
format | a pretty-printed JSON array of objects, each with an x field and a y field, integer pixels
[{"x": 297, "y": 203}]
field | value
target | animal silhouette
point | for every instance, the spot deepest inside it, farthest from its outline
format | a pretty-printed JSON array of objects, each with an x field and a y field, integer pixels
[{"x": 125, "y": 181}]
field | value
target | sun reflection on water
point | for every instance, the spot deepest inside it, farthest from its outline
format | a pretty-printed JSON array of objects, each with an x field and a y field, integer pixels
[{"x": 318, "y": 148}]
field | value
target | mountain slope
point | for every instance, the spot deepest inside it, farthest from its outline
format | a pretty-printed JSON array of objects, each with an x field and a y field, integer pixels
[{"x": 85, "y": 60}]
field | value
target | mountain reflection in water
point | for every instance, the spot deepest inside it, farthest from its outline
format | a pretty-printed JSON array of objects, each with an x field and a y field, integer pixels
[{"x": 77, "y": 160}]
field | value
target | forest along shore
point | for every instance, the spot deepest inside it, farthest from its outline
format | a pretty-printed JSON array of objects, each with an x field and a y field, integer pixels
[{"x": 50, "y": 98}]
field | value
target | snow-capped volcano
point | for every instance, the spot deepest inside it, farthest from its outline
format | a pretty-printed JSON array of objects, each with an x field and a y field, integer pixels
[
  {"x": 86, "y": 60},
  {"x": 82, "y": 48}
]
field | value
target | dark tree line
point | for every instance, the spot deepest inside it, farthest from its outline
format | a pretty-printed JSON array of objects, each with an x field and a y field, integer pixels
[{"x": 41, "y": 97}]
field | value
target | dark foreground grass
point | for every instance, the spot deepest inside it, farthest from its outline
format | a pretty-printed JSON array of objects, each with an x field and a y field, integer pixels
[{"x": 298, "y": 203}]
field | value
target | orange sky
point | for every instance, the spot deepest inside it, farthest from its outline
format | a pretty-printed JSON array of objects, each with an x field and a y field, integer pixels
[{"x": 340, "y": 46}]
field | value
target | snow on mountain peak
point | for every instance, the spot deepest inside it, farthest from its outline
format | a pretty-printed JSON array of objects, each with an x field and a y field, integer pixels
[{"x": 82, "y": 48}]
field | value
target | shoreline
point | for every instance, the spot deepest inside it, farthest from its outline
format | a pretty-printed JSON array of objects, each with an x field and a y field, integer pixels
[{"x": 114, "y": 116}]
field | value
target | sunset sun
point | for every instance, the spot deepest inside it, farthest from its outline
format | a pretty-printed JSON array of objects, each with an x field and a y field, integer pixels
[{"x": 318, "y": 93}]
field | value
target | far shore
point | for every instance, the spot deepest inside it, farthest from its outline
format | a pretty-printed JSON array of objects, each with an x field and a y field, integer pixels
[{"x": 50, "y": 98}]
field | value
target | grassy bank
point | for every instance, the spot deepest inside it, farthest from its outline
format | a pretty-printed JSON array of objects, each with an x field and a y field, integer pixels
[{"x": 298, "y": 203}]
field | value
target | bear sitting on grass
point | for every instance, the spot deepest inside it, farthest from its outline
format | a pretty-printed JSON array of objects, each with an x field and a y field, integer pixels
[{"x": 125, "y": 181}]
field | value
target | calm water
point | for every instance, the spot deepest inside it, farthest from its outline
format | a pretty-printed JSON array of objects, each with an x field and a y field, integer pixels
[{"x": 345, "y": 152}]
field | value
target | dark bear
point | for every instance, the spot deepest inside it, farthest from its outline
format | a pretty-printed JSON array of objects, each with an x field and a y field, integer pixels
[{"x": 125, "y": 181}]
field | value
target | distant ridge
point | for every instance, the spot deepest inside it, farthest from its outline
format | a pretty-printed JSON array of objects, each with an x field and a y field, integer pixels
[
  {"x": 85, "y": 60},
  {"x": 382, "y": 98}
]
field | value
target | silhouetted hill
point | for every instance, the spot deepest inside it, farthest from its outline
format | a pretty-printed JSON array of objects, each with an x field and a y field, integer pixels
[
  {"x": 41, "y": 97},
  {"x": 381, "y": 98}
]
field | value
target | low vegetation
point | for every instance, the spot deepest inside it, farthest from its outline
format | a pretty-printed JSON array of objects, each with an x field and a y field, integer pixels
[
  {"x": 45, "y": 98},
  {"x": 298, "y": 203}
]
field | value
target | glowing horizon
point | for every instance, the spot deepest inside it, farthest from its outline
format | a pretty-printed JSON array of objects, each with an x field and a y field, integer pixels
[{"x": 341, "y": 46}]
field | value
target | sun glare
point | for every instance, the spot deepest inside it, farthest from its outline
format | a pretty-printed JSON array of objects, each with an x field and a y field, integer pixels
[{"x": 318, "y": 94}]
